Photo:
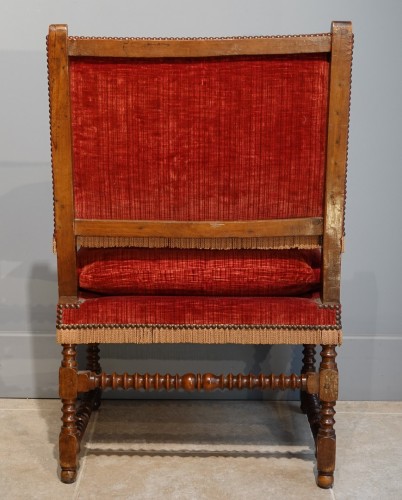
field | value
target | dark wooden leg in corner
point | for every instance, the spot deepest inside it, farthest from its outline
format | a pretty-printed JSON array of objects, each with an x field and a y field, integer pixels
[
  {"x": 68, "y": 442},
  {"x": 308, "y": 366},
  {"x": 326, "y": 439},
  {"x": 93, "y": 365},
  {"x": 309, "y": 403}
]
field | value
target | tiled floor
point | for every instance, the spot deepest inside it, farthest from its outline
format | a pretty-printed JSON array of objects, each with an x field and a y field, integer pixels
[{"x": 200, "y": 450}]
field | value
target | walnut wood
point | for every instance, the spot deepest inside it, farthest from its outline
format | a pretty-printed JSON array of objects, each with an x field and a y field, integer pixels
[
  {"x": 199, "y": 229},
  {"x": 84, "y": 411},
  {"x": 313, "y": 383},
  {"x": 326, "y": 438},
  {"x": 308, "y": 358},
  {"x": 61, "y": 142},
  {"x": 313, "y": 413},
  {"x": 93, "y": 358},
  {"x": 337, "y": 142},
  {"x": 69, "y": 439},
  {"x": 190, "y": 381},
  {"x": 309, "y": 403},
  {"x": 63, "y": 299},
  {"x": 137, "y": 47},
  {"x": 93, "y": 365}
]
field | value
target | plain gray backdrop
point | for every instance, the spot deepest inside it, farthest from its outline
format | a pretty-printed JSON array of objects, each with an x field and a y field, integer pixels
[{"x": 369, "y": 359}]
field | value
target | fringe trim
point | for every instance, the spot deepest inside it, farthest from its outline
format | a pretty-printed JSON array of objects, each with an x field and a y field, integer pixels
[
  {"x": 149, "y": 334},
  {"x": 266, "y": 243}
]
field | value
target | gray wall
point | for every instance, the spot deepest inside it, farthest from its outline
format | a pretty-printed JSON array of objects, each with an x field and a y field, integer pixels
[{"x": 372, "y": 308}]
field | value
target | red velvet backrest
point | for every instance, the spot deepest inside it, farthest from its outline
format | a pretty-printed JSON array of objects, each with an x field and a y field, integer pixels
[{"x": 209, "y": 138}]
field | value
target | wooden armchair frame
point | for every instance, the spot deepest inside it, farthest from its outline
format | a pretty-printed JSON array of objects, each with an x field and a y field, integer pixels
[{"x": 319, "y": 388}]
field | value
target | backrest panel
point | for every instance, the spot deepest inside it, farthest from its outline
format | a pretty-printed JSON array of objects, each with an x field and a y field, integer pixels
[{"x": 219, "y": 138}]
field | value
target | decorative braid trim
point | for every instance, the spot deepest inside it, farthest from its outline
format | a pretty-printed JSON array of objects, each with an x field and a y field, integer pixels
[
  {"x": 266, "y": 243},
  {"x": 163, "y": 334}
]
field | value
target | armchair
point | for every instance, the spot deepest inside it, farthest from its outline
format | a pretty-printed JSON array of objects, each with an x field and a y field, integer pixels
[{"x": 199, "y": 190}]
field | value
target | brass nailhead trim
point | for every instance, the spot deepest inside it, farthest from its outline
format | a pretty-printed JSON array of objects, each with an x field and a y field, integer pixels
[
  {"x": 156, "y": 39},
  {"x": 74, "y": 326},
  {"x": 85, "y": 326}
]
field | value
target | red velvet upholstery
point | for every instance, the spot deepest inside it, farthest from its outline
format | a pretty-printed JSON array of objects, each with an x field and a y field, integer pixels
[
  {"x": 157, "y": 310},
  {"x": 143, "y": 271},
  {"x": 199, "y": 139}
]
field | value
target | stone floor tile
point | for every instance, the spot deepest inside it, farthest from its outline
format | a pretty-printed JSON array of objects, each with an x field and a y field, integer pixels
[
  {"x": 29, "y": 404},
  {"x": 28, "y": 453},
  {"x": 188, "y": 477},
  {"x": 369, "y": 407},
  {"x": 200, "y": 450},
  {"x": 369, "y": 456}
]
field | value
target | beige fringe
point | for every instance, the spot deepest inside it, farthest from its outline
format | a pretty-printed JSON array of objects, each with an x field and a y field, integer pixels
[
  {"x": 207, "y": 335},
  {"x": 286, "y": 242}
]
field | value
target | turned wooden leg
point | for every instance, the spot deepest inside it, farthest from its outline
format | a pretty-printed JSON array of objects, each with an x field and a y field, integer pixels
[
  {"x": 326, "y": 439},
  {"x": 68, "y": 442},
  {"x": 93, "y": 365},
  {"x": 309, "y": 403}
]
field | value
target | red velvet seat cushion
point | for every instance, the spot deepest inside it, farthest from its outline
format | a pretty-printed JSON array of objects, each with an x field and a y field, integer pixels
[
  {"x": 143, "y": 271},
  {"x": 162, "y": 310}
]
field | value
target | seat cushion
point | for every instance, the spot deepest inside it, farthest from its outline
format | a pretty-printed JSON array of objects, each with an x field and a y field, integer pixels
[
  {"x": 162, "y": 310},
  {"x": 199, "y": 320},
  {"x": 165, "y": 271}
]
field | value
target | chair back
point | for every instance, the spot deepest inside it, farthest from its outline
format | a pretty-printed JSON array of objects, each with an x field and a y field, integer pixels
[{"x": 212, "y": 143}]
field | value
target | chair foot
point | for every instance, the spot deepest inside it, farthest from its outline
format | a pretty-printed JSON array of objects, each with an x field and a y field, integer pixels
[
  {"x": 325, "y": 481},
  {"x": 68, "y": 476},
  {"x": 69, "y": 446}
]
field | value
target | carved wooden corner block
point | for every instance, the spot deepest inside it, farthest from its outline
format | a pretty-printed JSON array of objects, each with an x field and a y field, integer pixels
[{"x": 328, "y": 388}]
